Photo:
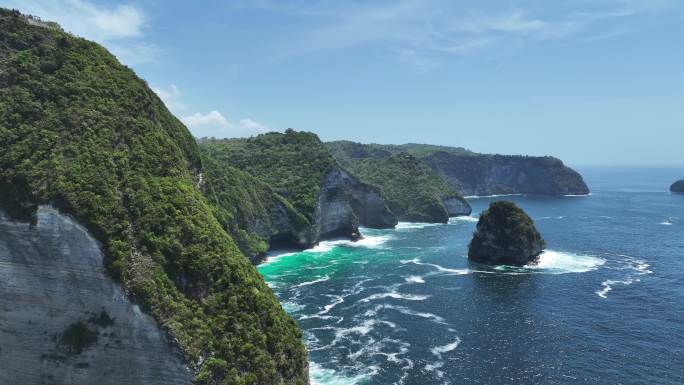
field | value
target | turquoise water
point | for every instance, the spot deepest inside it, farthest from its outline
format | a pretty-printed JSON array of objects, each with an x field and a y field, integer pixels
[{"x": 605, "y": 305}]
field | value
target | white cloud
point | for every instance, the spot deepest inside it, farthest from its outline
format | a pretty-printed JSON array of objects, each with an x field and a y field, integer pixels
[
  {"x": 214, "y": 124},
  {"x": 171, "y": 97},
  {"x": 213, "y": 119},
  {"x": 119, "y": 27}
]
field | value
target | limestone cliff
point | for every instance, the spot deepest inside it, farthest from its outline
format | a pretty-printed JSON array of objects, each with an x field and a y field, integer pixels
[
  {"x": 499, "y": 174},
  {"x": 286, "y": 190},
  {"x": 63, "y": 320},
  {"x": 414, "y": 192},
  {"x": 467, "y": 172}
]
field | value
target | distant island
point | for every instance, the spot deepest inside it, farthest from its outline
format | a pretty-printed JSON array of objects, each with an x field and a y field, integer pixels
[{"x": 678, "y": 187}]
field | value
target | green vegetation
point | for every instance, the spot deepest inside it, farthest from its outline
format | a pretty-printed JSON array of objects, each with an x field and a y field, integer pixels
[
  {"x": 292, "y": 163},
  {"x": 415, "y": 191},
  {"x": 84, "y": 133},
  {"x": 244, "y": 205},
  {"x": 423, "y": 150},
  {"x": 78, "y": 337}
]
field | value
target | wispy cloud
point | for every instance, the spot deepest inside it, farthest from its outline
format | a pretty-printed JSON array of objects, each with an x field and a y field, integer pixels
[
  {"x": 426, "y": 32},
  {"x": 171, "y": 97},
  {"x": 120, "y": 28},
  {"x": 214, "y": 124}
]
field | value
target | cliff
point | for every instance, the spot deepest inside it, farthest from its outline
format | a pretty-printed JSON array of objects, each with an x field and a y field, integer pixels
[
  {"x": 678, "y": 187},
  {"x": 297, "y": 193},
  {"x": 83, "y": 133},
  {"x": 499, "y": 174},
  {"x": 64, "y": 320},
  {"x": 470, "y": 173},
  {"x": 413, "y": 191},
  {"x": 505, "y": 235}
]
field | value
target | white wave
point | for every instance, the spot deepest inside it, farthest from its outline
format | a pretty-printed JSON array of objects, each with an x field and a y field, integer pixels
[
  {"x": 638, "y": 267},
  {"x": 464, "y": 218},
  {"x": 407, "y": 311},
  {"x": 292, "y": 307},
  {"x": 315, "y": 281},
  {"x": 543, "y": 218},
  {"x": 491, "y": 196},
  {"x": 414, "y": 225},
  {"x": 338, "y": 300},
  {"x": 439, "y": 350},
  {"x": 434, "y": 367},
  {"x": 368, "y": 241},
  {"x": 442, "y": 269},
  {"x": 578, "y": 195},
  {"x": 558, "y": 262},
  {"x": 396, "y": 295},
  {"x": 323, "y": 376},
  {"x": 363, "y": 329},
  {"x": 667, "y": 222},
  {"x": 318, "y": 316},
  {"x": 414, "y": 279},
  {"x": 275, "y": 255}
]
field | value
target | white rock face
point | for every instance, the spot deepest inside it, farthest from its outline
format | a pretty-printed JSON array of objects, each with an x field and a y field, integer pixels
[{"x": 52, "y": 278}]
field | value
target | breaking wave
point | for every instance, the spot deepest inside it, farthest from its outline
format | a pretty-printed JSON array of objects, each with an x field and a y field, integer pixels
[
  {"x": 414, "y": 225},
  {"x": 465, "y": 218},
  {"x": 324, "y": 376},
  {"x": 637, "y": 267},
  {"x": 558, "y": 262}
]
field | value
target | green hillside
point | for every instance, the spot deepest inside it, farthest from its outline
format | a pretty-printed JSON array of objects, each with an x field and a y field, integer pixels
[
  {"x": 293, "y": 163},
  {"x": 416, "y": 192},
  {"x": 245, "y": 205},
  {"x": 84, "y": 133}
]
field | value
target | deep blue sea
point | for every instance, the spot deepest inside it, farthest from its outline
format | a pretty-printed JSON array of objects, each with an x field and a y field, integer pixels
[{"x": 605, "y": 304}]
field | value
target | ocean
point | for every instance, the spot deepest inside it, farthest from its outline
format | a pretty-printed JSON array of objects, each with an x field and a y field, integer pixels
[{"x": 605, "y": 304}]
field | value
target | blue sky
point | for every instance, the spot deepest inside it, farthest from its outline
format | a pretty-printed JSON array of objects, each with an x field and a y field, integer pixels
[{"x": 589, "y": 81}]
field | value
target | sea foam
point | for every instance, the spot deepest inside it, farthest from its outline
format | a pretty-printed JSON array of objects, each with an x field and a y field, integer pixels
[
  {"x": 324, "y": 376},
  {"x": 465, "y": 218},
  {"x": 558, "y": 262},
  {"x": 638, "y": 268},
  {"x": 414, "y": 225}
]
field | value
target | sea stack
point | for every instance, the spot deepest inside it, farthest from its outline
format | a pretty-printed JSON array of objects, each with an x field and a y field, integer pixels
[
  {"x": 678, "y": 187},
  {"x": 505, "y": 235}
]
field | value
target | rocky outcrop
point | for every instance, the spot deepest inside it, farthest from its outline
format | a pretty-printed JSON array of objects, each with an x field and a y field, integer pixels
[
  {"x": 334, "y": 214},
  {"x": 456, "y": 206},
  {"x": 499, "y": 174},
  {"x": 505, "y": 235},
  {"x": 344, "y": 203},
  {"x": 678, "y": 187},
  {"x": 64, "y": 321},
  {"x": 367, "y": 202}
]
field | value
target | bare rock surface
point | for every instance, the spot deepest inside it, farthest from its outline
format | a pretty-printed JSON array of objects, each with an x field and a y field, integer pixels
[{"x": 63, "y": 320}]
